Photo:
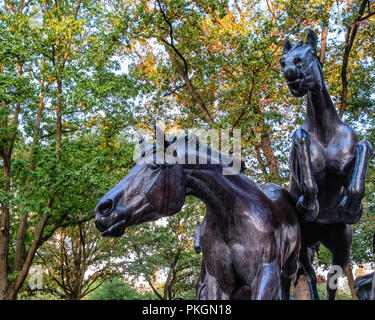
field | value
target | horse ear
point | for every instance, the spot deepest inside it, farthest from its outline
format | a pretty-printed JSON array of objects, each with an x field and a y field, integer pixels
[
  {"x": 312, "y": 39},
  {"x": 286, "y": 45}
]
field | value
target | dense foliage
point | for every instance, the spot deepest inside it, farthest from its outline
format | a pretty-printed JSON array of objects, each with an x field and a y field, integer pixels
[{"x": 78, "y": 77}]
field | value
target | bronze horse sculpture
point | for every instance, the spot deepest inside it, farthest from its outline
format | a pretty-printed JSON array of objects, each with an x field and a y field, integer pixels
[
  {"x": 207, "y": 287},
  {"x": 250, "y": 235},
  {"x": 328, "y": 165},
  {"x": 365, "y": 285}
]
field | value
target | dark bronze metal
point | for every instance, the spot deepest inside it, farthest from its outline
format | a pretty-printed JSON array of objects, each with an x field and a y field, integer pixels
[
  {"x": 328, "y": 165},
  {"x": 197, "y": 234},
  {"x": 250, "y": 235},
  {"x": 207, "y": 287},
  {"x": 363, "y": 286}
]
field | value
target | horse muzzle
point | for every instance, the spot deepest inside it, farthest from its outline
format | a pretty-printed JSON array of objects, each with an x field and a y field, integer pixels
[
  {"x": 111, "y": 218},
  {"x": 112, "y": 225},
  {"x": 297, "y": 88}
]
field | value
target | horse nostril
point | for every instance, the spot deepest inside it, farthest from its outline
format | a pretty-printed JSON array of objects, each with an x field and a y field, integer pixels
[
  {"x": 105, "y": 207},
  {"x": 98, "y": 226},
  {"x": 291, "y": 74}
]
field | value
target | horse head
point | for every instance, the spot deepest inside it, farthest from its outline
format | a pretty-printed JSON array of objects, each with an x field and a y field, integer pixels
[
  {"x": 154, "y": 188},
  {"x": 301, "y": 66}
]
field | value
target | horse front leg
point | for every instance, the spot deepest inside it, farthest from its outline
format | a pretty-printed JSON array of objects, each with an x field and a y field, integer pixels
[
  {"x": 305, "y": 259},
  {"x": 266, "y": 284},
  {"x": 200, "y": 286},
  {"x": 350, "y": 208},
  {"x": 307, "y": 203}
]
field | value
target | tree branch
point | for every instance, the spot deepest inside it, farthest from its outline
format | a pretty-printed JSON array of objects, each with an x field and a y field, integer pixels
[
  {"x": 11, "y": 7},
  {"x": 349, "y": 39},
  {"x": 171, "y": 44}
]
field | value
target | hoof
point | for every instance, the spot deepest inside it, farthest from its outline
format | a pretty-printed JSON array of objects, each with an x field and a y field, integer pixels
[
  {"x": 310, "y": 213},
  {"x": 349, "y": 216}
]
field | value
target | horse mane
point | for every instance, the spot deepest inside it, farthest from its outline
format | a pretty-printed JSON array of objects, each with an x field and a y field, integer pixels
[{"x": 186, "y": 149}]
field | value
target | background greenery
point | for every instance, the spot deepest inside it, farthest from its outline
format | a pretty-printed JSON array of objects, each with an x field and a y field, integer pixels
[{"x": 76, "y": 79}]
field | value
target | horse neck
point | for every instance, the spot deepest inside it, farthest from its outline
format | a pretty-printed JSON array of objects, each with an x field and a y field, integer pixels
[
  {"x": 321, "y": 117},
  {"x": 215, "y": 191}
]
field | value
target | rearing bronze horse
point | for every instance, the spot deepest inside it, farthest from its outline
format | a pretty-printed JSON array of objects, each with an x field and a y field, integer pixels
[
  {"x": 250, "y": 235},
  {"x": 328, "y": 165}
]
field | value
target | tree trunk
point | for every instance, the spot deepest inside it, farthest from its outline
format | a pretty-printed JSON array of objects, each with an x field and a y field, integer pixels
[
  {"x": 4, "y": 232},
  {"x": 323, "y": 39},
  {"x": 20, "y": 254},
  {"x": 30, "y": 256},
  {"x": 6, "y": 150},
  {"x": 350, "y": 277},
  {"x": 194, "y": 93},
  {"x": 265, "y": 144},
  {"x": 349, "y": 39},
  {"x": 58, "y": 117},
  {"x": 302, "y": 291},
  {"x": 37, "y": 241}
]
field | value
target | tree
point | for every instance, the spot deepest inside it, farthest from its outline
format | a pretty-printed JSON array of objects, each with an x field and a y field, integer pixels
[
  {"x": 116, "y": 289},
  {"x": 192, "y": 64},
  {"x": 163, "y": 253},
  {"x": 55, "y": 79},
  {"x": 78, "y": 260},
  {"x": 218, "y": 64}
]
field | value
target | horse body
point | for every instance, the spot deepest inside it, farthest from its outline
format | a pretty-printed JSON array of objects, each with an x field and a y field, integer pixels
[
  {"x": 245, "y": 234},
  {"x": 249, "y": 240},
  {"x": 328, "y": 164},
  {"x": 331, "y": 152}
]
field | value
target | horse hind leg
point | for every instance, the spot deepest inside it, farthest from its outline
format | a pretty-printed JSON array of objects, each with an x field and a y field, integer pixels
[
  {"x": 307, "y": 203},
  {"x": 266, "y": 284},
  {"x": 287, "y": 272},
  {"x": 242, "y": 293},
  {"x": 338, "y": 265},
  {"x": 350, "y": 208},
  {"x": 339, "y": 245}
]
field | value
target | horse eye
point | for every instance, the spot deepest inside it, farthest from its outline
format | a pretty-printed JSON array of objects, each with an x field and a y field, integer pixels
[
  {"x": 154, "y": 166},
  {"x": 298, "y": 61}
]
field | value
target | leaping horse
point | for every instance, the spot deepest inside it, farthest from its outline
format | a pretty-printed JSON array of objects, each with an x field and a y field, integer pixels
[
  {"x": 328, "y": 165},
  {"x": 250, "y": 235}
]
